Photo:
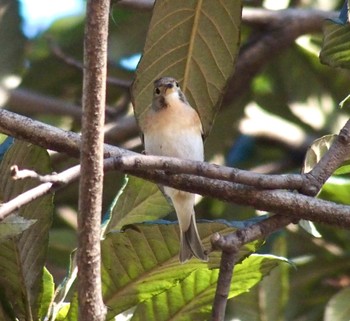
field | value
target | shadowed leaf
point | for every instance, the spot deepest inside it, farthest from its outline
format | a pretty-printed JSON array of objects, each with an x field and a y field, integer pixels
[
  {"x": 195, "y": 42},
  {"x": 336, "y": 45},
  {"x": 22, "y": 257},
  {"x": 13, "y": 225},
  {"x": 138, "y": 201}
]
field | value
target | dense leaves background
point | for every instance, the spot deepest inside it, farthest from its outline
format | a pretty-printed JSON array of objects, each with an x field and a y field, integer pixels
[{"x": 292, "y": 101}]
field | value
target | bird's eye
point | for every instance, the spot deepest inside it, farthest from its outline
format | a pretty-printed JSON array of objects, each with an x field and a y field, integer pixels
[
  {"x": 177, "y": 84},
  {"x": 157, "y": 91}
]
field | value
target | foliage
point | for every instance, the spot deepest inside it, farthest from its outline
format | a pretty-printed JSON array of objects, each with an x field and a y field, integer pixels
[{"x": 290, "y": 103}]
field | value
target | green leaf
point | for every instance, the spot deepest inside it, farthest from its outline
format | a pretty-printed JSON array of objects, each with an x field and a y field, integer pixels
[
  {"x": 137, "y": 202},
  {"x": 192, "y": 299},
  {"x": 142, "y": 261},
  {"x": 62, "y": 313},
  {"x": 336, "y": 189},
  {"x": 47, "y": 294},
  {"x": 336, "y": 45},
  {"x": 22, "y": 258},
  {"x": 195, "y": 42},
  {"x": 2, "y": 138},
  {"x": 343, "y": 169},
  {"x": 338, "y": 308},
  {"x": 13, "y": 225}
]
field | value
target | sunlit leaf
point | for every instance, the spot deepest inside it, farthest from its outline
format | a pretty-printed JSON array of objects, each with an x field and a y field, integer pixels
[
  {"x": 269, "y": 297},
  {"x": 46, "y": 295},
  {"x": 192, "y": 299},
  {"x": 336, "y": 189},
  {"x": 338, "y": 308},
  {"x": 142, "y": 261},
  {"x": 58, "y": 307},
  {"x": 139, "y": 201},
  {"x": 195, "y": 42}
]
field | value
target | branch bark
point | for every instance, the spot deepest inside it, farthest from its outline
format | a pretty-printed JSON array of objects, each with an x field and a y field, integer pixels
[
  {"x": 337, "y": 153},
  {"x": 289, "y": 203},
  {"x": 91, "y": 306}
]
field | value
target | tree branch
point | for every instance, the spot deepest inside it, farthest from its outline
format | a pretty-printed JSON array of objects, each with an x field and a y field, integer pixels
[
  {"x": 228, "y": 260},
  {"x": 172, "y": 165},
  {"x": 292, "y": 204},
  {"x": 289, "y": 203},
  {"x": 91, "y": 306},
  {"x": 337, "y": 153}
]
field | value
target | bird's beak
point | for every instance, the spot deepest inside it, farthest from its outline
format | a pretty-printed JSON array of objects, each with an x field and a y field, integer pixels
[{"x": 170, "y": 88}]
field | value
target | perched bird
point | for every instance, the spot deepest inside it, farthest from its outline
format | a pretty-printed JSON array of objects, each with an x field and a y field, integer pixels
[{"x": 173, "y": 128}]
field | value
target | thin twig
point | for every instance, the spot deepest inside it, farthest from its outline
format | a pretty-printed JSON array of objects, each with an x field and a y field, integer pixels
[{"x": 51, "y": 184}]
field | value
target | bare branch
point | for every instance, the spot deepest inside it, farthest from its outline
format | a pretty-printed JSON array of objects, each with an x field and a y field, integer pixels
[
  {"x": 91, "y": 306},
  {"x": 295, "y": 205},
  {"x": 175, "y": 166},
  {"x": 47, "y": 136},
  {"x": 289, "y": 203}
]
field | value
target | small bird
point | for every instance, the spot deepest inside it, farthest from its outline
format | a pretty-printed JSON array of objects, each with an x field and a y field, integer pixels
[{"x": 173, "y": 128}]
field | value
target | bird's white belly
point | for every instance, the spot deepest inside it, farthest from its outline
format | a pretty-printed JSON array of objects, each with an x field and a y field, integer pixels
[{"x": 185, "y": 143}]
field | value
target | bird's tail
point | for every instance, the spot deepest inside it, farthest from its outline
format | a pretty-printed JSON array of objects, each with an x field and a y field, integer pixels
[{"x": 191, "y": 244}]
